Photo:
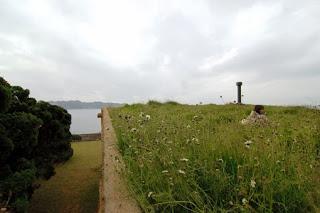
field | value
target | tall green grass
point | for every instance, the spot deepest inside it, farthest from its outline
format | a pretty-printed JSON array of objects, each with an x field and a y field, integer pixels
[{"x": 182, "y": 158}]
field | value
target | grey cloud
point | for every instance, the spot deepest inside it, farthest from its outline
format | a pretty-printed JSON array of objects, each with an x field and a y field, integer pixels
[{"x": 60, "y": 64}]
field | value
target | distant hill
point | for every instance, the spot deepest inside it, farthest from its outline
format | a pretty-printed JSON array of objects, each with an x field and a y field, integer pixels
[{"x": 84, "y": 105}]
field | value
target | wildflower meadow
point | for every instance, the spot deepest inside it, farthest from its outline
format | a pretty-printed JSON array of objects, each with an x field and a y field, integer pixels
[{"x": 200, "y": 158}]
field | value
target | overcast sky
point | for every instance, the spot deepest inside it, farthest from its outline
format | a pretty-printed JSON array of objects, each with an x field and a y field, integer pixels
[{"x": 183, "y": 50}]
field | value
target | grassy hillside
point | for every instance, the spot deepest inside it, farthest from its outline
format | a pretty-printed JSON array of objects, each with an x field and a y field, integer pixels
[
  {"x": 75, "y": 187},
  {"x": 201, "y": 159}
]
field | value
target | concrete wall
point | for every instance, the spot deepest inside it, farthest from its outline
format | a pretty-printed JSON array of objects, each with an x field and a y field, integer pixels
[
  {"x": 90, "y": 137},
  {"x": 114, "y": 194}
]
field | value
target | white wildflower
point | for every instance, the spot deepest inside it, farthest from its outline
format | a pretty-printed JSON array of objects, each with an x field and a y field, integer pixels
[
  {"x": 141, "y": 114},
  {"x": 244, "y": 201},
  {"x": 150, "y": 194},
  {"x": 220, "y": 160},
  {"x": 133, "y": 130},
  {"x": 195, "y": 139},
  {"x": 148, "y": 117},
  {"x": 164, "y": 171},
  {"x": 253, "y": 183},
  {"x": 181, "y": 172},
  {"x": 184, "y": 159},
  {"x": 248, "y": 143},
  {"x": 231, "y": 203}
]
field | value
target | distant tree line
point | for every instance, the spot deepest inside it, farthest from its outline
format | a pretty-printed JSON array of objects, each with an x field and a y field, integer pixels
[{"x": 34, "y": 135}]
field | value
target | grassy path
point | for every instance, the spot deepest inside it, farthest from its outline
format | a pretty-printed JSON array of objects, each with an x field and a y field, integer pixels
[{"x": 75, "y": 187}]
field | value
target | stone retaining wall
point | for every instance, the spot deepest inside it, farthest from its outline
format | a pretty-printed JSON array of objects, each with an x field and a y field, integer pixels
[
  {"x": 114, "y": 195},
  {"x": 90, "y": 137}
]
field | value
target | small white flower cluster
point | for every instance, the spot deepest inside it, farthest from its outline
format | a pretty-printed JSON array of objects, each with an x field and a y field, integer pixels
[
  {"x": 150, "y": 194},
  {"x": 220, "y": 160},
  {"x": 194, "y": 139},
  {"x": 248, "y": 143},
  {"x": 244, "y": 201},
  {"x": 184, "y": 159},
  {"x": 143, "y": 115},
  {"x": 253, "y": 183},
  {"x": 181, "y": 172}
]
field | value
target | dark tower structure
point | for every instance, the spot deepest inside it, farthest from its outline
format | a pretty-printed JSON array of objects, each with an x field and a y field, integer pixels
[{"x": 239, "y": 84}]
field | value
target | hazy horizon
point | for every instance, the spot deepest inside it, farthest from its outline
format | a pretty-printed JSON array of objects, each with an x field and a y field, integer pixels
[{"x": 130, "y": 51}]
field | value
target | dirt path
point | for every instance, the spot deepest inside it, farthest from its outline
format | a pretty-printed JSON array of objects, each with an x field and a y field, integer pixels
[{"x": 115, "y": 196}]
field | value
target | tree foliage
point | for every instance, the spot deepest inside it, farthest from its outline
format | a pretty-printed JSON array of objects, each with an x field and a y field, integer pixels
[{"x": 34, "y": 135}]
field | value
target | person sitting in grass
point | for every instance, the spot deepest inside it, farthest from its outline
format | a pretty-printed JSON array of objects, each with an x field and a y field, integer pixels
[{"x": 257, "y": 116}]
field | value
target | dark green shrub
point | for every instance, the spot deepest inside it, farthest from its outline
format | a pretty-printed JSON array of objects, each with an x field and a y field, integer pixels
[
  {"x": 154, "y": 103},
  {"x": 33, "y": 137},
  {"x": 5, "y": 97},
  {"x": 172, "y": 103},
  {"x": 21, "y": 204}
]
